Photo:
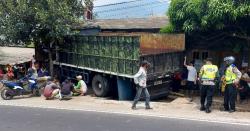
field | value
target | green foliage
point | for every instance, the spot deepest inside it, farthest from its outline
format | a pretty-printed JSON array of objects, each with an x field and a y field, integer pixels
[
  {"x": 208, "y": 15},
  {"x": 168, "y": 29},
  {"x": 38, "y": 21}
]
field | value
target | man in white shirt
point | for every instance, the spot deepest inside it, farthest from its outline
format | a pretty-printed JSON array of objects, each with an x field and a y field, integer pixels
[
  {"x": 140, "y": 80},
  {"x": 191, "y": 79}
]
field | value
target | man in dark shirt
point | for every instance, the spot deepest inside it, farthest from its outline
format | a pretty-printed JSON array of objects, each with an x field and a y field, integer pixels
[
  {"x": 67, "y": 87},
  {"x": 43, "y": 72}
]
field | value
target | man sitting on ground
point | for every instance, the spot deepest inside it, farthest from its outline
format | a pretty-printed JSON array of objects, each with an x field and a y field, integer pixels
[
  {"x": 51, "y": 89},
  {"x": 245, "y": 84},
  {"x": 81, "y": 86},
  {"x": 43, "y": 72},
  {"x": 67, "y": 87}
]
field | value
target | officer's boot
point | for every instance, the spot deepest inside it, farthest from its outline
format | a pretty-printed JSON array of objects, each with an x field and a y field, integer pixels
[
  {"x": 208, "y": 110},
  {"x": 202, "y": 108}
]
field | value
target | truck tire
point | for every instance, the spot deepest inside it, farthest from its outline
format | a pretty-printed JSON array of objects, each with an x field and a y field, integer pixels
[{"x": 100, "y": 86}]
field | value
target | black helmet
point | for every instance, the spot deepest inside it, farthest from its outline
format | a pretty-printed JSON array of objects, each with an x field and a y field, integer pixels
[{"x": 229, "y": 60}]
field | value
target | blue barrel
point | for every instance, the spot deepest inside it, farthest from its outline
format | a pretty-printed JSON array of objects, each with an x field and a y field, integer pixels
[{"x": 125, "y": 90}]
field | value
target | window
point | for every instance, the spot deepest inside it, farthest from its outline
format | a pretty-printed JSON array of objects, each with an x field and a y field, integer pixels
[
  {"x": 200, "y": 55},
  {"x": 204, "y": 55},
  {"x": 196, "y": 55}
]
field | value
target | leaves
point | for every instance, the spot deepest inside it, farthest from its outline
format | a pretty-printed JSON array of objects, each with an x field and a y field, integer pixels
[
  {"x": 204, "y": 15},
  {"x": 39, "y": 21}
]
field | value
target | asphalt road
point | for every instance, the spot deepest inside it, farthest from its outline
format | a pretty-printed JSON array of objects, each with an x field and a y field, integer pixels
[{"x": 36, "y": 119}]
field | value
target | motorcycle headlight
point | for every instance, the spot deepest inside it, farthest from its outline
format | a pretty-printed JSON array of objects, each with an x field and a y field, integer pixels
[{"x": 32, "y": 81}]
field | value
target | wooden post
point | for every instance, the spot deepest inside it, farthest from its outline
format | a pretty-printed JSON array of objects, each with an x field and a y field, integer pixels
[{"x": 50, "y": 59}]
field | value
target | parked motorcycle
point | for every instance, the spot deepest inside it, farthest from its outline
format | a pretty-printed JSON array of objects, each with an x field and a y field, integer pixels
[{"x": 23, "y": 86}]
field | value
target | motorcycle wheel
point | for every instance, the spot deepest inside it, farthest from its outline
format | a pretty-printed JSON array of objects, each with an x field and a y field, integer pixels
[
  {"x": 36, "y": 92},
  {"x": 5, "y": 95}
]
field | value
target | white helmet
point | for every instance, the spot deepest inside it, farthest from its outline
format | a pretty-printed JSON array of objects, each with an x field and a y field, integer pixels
[
  {"x": 79, "y": 77},
  {"x": 229, "y": 60}
]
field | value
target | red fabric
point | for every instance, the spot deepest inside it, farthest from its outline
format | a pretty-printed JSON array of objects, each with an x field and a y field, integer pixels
[
  {"x": 48, "y": 91},
  {"x": 10, "y": 73},
  {"x": 177, "y": 76},
  {"x": 1, "y": 73}
]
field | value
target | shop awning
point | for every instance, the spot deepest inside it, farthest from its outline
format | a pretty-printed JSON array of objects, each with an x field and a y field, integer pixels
[{"x": 15, "y": 55}]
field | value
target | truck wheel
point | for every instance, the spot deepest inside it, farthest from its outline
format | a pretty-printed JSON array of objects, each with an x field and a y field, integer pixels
[{"x": 100, "y": 86}]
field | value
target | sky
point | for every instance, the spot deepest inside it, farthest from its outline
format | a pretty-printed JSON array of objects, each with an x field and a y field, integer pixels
[{"x": 132, "y": 9}]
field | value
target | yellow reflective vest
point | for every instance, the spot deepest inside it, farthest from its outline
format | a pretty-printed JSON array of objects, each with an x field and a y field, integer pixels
[
  {"x": 230, "y": 76},
  {"x": 209, "y": 72}
]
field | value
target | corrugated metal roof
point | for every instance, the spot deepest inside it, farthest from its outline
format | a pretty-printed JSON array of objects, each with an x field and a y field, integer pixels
[
  {"x": 12, "y": 55},
  {"x": 135, "y": 23}
]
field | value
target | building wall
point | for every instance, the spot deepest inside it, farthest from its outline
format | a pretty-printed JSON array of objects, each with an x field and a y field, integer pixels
[
  {"x": 199, "y": 55},
  {"x": 217, "y": 49}
]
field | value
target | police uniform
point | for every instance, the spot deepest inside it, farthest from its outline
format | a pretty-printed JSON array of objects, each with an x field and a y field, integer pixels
[
  {"x": 232, "y": 74},
  {"x": 208, "y": 74}
]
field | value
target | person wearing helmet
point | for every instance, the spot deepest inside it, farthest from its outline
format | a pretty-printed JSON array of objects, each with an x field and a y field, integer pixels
[
  {"x": 207, "y": 76},
  {"x": 232, "y": 77}
]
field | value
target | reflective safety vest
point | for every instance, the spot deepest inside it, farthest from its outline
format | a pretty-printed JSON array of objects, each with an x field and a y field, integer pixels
[
  {"x": 209, "y": 72},
  {"x": 230, "y": 76}
]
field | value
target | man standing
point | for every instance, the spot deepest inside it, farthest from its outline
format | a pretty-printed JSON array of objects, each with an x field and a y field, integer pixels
[
  {"x": 140, "y": 80},
  {"x": 191, "y": 79},
  {"x": 207, "y": 76},
  {"x": 232, "y": 77}
]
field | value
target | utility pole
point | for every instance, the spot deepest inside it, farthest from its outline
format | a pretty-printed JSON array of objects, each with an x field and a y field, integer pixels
[{"x": 88, "y": 9}]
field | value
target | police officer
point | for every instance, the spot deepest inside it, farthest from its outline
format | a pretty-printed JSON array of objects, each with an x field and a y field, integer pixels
[
  {"x": 207, "y": 76},
  {"x": 232, "y": 76}
]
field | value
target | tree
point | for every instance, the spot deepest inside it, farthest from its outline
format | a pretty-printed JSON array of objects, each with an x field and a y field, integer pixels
[
  {"x": 88, "y": 8},
  {"x": 42, "y": 22},
  {"x": 225, "y": 17}
]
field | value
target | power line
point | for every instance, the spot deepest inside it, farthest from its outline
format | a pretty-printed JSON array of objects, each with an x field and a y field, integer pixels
[
  {"x": 128, "y": 7},
  {"x": 137, "y": 10},
  {"x": 126, "y": 2}
]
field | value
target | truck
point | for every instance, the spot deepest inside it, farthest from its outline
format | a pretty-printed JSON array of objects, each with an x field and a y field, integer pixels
[{"x": 108, "y": 62}]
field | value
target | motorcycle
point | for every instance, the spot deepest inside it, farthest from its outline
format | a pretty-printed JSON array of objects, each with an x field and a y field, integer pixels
[{"x": 23, "y": 86}]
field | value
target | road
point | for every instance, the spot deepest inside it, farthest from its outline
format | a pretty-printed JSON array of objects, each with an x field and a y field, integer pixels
[{"x": 36, "y": 119}]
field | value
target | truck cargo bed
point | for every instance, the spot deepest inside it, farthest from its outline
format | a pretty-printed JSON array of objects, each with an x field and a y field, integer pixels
[{"x": 121, "y": 55}]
